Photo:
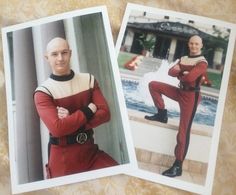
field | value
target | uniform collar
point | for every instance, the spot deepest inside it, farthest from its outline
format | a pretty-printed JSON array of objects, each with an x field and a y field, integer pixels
[
  {"x": 195, "y": 56},
  {"x": 64, "y": 77}
]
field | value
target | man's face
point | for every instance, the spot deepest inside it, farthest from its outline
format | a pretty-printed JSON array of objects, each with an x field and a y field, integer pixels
[
  {"x": 195, "y": 45},
  {"x": 58, "y": 56}
]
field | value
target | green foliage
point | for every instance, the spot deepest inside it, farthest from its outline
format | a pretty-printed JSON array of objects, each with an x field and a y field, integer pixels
[
  {"x": 215, "y": 78},
  {"x": 219, "y": 40},
  {"x": 147, "y": 42},
  {"x": 123, "y": 58}
]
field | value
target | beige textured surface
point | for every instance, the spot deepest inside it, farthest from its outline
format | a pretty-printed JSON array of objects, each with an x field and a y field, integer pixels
[{"x": 14, "y": 12}]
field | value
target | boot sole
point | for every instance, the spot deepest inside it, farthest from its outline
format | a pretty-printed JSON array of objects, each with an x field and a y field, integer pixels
[
  {"x": 178, "y": 174},
  {"x": 165, "y": 121}
]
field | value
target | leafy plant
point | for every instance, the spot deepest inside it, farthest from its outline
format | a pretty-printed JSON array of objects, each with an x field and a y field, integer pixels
[{"x": 147, "y": 42}]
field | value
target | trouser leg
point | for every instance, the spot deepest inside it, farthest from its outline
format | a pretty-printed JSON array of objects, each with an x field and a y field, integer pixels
[
  {"x": 188, "y": 106},
  {"x": 102, "y": 160},
  {"x": 157, "y": 89}
]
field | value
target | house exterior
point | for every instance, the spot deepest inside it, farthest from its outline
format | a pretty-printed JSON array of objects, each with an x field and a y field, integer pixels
[{"x": 171, "y": 37}]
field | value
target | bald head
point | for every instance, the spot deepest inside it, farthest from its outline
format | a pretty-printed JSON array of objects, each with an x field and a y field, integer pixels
[
  {"x": 196, "y": 38},
  {"x": 56, "y": 43},
  {"x": 58, "y": 55},
  {"x": 195, "y": 45}
]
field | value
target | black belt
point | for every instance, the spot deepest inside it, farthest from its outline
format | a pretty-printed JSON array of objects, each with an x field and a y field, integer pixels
[
  {"x": 188, "y": 88},
  {"x": 78, "y": 138}
]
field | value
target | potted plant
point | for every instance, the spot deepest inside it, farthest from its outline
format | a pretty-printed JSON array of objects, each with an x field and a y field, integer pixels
[{"x": 148, "y": 43}]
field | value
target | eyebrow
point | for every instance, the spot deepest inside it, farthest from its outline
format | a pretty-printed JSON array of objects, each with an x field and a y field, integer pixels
[{"x": 64, "y": 50}]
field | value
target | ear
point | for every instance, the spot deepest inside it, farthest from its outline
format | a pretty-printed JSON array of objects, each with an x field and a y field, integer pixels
[
  {"x": 46, "y": 56},
  {"x": 202, "y": 46}
]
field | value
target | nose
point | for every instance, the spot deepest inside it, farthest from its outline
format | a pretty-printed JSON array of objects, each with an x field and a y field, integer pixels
[{"x": 59, "y": 57}]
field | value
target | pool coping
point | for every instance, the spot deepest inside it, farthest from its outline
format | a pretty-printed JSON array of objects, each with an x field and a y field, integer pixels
[{"x": 173, "y": 124}]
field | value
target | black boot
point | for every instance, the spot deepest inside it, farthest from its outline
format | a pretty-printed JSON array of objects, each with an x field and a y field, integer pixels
[
  {"x": 175, "y": 170},
  {"x": 161, "y": 116}
]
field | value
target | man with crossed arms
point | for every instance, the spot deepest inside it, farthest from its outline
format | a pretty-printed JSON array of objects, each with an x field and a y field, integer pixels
[{"x": 71, "y": 105}]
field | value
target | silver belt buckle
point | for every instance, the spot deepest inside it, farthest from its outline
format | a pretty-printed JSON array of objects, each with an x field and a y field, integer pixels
[{"x": 81, "y": 138}]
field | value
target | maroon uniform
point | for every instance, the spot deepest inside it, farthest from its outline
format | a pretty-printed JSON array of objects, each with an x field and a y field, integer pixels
[
  {"x": 187, "y": 95},
  {"x": 68, "y": 154}
]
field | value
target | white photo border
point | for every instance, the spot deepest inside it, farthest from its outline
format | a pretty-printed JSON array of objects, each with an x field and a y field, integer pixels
[
  {"x": 143, "y": 174},
  {"x": 80, "y": 177}
]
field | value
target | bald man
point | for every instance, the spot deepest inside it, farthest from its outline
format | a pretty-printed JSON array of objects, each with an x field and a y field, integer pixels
[
  {"x": 189, "y": 70},
  {"x": 71, "y": 105}
]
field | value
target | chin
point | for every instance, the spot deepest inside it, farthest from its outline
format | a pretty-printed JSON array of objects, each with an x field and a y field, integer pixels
[
  {"x": 195, "y": 53},
  {"x": 60, "y": 72}
]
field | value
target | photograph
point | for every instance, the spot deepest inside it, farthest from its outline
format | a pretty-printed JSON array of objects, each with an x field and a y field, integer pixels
[
  {"x": 64, "y": 101},
  {"x": 174, "y": 69}
]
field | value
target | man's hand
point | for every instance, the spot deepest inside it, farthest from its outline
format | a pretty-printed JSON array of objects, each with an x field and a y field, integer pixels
[
  {"x": 185, "y": 72},
  {"x": 62, "y": 112},
  {"x": 177, "y": 67},
  {"x": 92, "y": 107}
]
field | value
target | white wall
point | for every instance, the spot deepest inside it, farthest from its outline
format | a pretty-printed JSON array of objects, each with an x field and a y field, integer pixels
[{"x": 163, "y": 140}]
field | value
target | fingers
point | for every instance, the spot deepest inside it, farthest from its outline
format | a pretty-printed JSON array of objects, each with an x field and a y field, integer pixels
[
  {"x": 62, "y": 112},
  {"x": 177, "y": 67},
  {"x": 92, "y": 107},
  {"x": 185, "y": 72}
]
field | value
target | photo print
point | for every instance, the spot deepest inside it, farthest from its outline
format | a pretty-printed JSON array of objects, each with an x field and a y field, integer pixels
[
  {"x": 65, "y": 120},
  {"x": 174, "y": 69}
]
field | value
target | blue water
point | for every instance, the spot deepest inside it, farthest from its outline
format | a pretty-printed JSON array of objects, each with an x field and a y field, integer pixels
[{"x": 205, "y": 113}]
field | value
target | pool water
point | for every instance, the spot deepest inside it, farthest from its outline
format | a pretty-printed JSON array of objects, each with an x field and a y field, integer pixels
[{"x": 140, "y": 100}]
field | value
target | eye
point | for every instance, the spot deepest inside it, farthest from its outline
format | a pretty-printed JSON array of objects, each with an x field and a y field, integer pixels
[
  {"x": 54, "y": 54},
  {"x": 65, "y": 52}
]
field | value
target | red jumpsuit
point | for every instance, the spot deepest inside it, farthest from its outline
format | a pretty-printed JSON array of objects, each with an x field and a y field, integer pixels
[
  {"x": 73, "y": 92},
  {"x": 187, "y": 95}
]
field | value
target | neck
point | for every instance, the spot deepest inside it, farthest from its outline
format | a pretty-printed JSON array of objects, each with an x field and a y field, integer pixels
[
  {"x": 64, "y": 77},
  {"x": 194, "y": 55},
  {"x": 61, "y": 74}
]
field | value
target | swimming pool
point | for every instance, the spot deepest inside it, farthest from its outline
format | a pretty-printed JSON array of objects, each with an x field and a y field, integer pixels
[{"x": 138, "y": 98}]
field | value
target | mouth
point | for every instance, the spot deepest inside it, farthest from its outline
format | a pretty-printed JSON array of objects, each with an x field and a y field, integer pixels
[{"x": 60, "y": 64}]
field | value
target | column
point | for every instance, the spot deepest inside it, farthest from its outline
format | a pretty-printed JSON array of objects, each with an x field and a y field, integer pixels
[
  {"x": 218, "y": 56},
  {"x": 129, "y": 38},
  {"x": 172, "y": 49},
  {"x": 42, "y": 34},
  {"x": 27, "y": 129}
]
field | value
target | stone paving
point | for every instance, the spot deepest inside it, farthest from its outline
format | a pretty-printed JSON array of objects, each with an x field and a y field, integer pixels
[{"x": 193, "y": 171}]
